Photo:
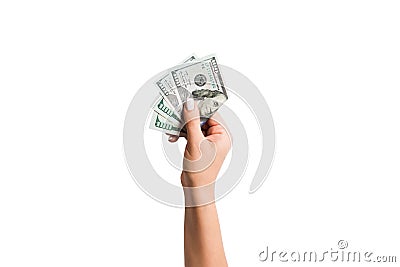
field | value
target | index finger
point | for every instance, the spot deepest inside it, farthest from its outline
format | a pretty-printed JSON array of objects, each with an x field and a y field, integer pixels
[{"x": 215, "y": 120}]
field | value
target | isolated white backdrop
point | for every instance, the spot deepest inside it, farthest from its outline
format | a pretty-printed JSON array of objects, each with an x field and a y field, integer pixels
[{"x": 68, "y": 71}]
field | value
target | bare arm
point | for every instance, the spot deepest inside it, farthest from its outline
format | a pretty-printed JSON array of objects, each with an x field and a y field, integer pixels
[
  {"x": 205, "y": 152},
  {"x": 203, "y": 241}
]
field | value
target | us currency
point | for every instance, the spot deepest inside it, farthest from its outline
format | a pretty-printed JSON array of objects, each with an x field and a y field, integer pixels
[
  {"x": 169, "y": 90},
  {"x": 158, "y": 122},
  {"x": 162, "y": 107},
  {"x": 202, "y": 81}
]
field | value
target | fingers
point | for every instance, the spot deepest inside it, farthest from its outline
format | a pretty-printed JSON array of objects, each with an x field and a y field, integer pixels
[
  {"x": 173, "y": 138},
  {"x": 195, "y": 132},
  {"x": 192, "y": 119},
  {"x": 216, "y": 119}
]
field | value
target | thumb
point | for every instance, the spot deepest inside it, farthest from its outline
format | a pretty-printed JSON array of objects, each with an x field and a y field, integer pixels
[{"x": 191, "y": 115}]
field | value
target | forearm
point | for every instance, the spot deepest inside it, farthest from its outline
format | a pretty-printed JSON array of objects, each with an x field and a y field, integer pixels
[
  {"x": 208, "y": 144},
  {"x": 203, "y": 241}
]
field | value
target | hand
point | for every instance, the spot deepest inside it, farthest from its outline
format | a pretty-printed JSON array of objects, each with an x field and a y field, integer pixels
[
  {"x": 205, "y": 151},
  {"x": 206, "y": 148}
]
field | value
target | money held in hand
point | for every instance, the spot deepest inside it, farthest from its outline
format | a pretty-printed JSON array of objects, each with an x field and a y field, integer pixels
[{"x": 199, "y": 79}]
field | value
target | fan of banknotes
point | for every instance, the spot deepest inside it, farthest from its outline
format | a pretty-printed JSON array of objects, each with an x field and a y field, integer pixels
[{"x": 199, "y": 79}]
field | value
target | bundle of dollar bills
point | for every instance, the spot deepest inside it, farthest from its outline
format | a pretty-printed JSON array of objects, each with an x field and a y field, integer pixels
[{"x": 199, "y": 79}]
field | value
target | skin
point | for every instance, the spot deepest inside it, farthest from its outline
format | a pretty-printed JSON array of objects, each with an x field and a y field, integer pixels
[{"x": 203, "y": 241}]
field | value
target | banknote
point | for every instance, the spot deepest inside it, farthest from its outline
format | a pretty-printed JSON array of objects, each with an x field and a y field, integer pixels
[
  {"x": 169, "y": 90},
  {"x": 199, "y": 79},
  {"x": 160, "y": 123},
  {"x": 202, "y": 81},
  {"x": 162, "y": 107}
]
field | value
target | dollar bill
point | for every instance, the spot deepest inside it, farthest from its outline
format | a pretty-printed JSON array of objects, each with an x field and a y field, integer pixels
[
  {"x": 162, "y": 107},
  {"x": 202, "y": 81},
  {"x": 197, "y": 79},
  {"x": 169, "y": 91},
  {"x": 159, "y": 123}
]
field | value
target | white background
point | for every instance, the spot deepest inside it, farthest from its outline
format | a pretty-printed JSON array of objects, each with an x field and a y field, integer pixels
[{"x": 329, "y": 71}]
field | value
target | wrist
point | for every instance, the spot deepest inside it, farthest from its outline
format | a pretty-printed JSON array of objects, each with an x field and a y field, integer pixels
[{"x": 199, "y": 195}]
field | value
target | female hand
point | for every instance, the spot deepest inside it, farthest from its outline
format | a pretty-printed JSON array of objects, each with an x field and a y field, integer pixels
[{"x": 206, "y": 148}]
